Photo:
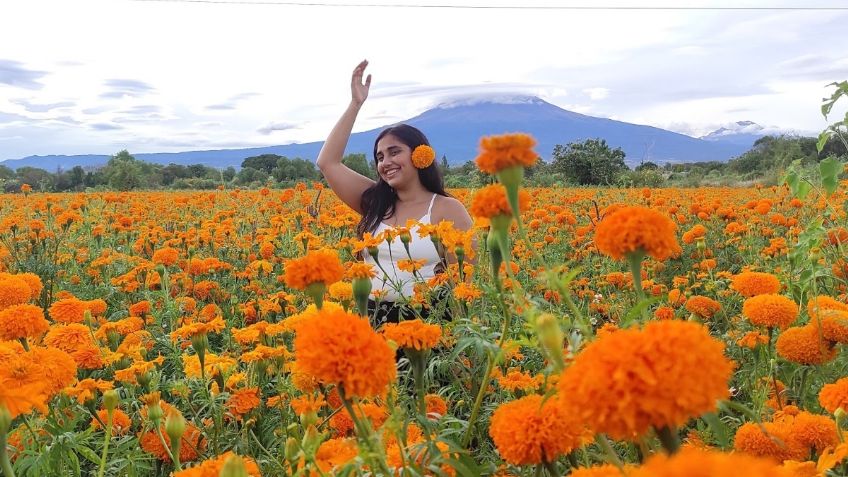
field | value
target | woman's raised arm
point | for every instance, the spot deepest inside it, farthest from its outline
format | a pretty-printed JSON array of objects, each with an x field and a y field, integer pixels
[{"x": 345, "y": 182}]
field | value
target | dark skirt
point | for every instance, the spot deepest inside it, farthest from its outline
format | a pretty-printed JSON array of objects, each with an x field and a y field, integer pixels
[{"x": 392, "y": 312}]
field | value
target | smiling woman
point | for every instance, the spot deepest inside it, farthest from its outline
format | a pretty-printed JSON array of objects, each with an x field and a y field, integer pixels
[{"x": 409, "y": 187}]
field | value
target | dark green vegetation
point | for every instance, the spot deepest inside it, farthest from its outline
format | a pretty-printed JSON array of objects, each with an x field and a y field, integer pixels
[{"x": 591, "y": 162}]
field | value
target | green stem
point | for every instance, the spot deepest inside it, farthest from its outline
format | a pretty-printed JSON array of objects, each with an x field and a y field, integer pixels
[
  {"x": 489, "y": 367},
  {"x": 669, "y": 439},
  {"x": 165, "y": 445},
  {"x": 635, "y": 261},
  {"x": 4, "y": 457},
  {"x": 605, "y": 444},
  {"x": 364, "y": 433},
  {"x": 106, "y": 439}
]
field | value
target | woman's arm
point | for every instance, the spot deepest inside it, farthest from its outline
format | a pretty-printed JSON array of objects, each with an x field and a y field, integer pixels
[{"x": 345, "y": 182}]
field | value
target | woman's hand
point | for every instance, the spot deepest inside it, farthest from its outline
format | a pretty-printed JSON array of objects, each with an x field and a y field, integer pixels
[{"x": 358, "y": 89}]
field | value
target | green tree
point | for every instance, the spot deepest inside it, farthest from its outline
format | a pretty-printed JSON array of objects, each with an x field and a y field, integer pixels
[
  {"x": 38, "y": 178},
  {"x": 124, "y": 172},
  {"x": 265, "y": 162},
  {"x": 229, "y": 173},
  {"x": 591, "y": 162},
  {"x": 248, "y": 175},
  {"x": 647, "y": 166},
  {"x": 360, "y": 164}
]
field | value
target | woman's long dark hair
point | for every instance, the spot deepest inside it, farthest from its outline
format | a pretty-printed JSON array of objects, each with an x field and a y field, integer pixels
[{"x": 378, "y": 201}]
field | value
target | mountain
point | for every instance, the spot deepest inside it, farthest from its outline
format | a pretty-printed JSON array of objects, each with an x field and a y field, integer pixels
[
  {"x": 742, "y": 133},
  {"x": 454, "y": 129}
]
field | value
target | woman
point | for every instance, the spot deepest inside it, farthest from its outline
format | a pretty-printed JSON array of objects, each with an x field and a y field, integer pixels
[{"x": 402, "y": 192}]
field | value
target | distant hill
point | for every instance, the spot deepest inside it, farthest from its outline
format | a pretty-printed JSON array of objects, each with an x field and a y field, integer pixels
[
  {"x": 741, "y": 133},
  {"x": 454, "y": 130}
]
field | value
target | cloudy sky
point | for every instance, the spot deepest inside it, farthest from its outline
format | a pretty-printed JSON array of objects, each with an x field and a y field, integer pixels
[{"x": 92, "y": 76}]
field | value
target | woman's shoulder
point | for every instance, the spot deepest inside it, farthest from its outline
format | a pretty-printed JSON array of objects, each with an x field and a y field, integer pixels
[{"x": 449, "y": 208}]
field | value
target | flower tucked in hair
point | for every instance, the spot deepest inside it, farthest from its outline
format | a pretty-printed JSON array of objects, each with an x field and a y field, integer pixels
[{"x": 423, "y": 156}]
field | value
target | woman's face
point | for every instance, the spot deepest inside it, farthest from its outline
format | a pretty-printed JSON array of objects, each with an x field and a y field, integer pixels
[{"x": 394, "y": 162}]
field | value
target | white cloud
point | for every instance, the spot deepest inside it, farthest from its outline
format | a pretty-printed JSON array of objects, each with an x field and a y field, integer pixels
[
  {"x": 597, "y": 93},
  {"x": 230, "y": 67}
]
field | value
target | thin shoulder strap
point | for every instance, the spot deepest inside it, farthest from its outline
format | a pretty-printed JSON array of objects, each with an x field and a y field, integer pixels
[{"x": 430, "y": 210}]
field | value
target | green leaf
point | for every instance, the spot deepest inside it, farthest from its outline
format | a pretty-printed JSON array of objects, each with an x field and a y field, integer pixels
[
  {"x": 804, "y": 188},
  {"x": 830, "y": 169},
  {"x": 823, "y": 138},
  {"x": 718, "y": 429}
]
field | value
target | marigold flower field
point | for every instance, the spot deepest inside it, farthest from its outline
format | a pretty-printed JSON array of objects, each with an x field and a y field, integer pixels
[{"x": 600, "y": 332}]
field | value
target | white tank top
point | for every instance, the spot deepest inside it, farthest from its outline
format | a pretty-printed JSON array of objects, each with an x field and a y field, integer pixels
[{"x": 397, "y": 283}]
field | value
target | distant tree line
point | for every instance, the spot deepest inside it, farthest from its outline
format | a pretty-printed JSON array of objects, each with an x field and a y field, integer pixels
[{"x": 586, "y": 163}]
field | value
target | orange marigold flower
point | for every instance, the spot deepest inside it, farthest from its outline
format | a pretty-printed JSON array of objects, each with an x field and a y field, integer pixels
[
  {"x": 166, "y": 256},
  {"x": 750, "y": 284},
  {"x": 58, "y": 369},
  {"x": 436, "y": 406},
  {"x": 413, "y": 334},
  {"x": 664, "y": 313},
  {"x": 342, "y": 424},
  {"x": 307, "y": 404},
  {"x": 68, "y": 310},
  {"x": 192, "y": 443},
  {"x": 34, "y": 283},
  {"x": 88, "y": 358},
  {"x": 529, "y": 431},
  {"x": 317, "y": 266},
  {"x": 466, "y": 292},
  {"x": 517, "y": 380},
  {"x": 822, "y": 302},
  {"x": 423, "y": 156},
  {"x": 702, "y": 306},
  {"x": 491, "y": 201},
  {"x": 243, "y": 401},
  {"x": 97, "y": 306},
  {"x": 21, "y": 388},
  {"x": 69, "y": 338},
  {"x": 341, "y": 348},
  {"x": 625, "y": 382},
  {"x": 694, "y": 462},
  {"x": 361, "y": 270},
  {"x": 606, "y": 470},
  {"x": 835, "y": 395},
  {"x": 771, "y": 311},
  {"x": 833, "y": 325},
  {"x": 803, "y": 345},
  {"x": 214, "y": 466},
  {"x": 22, "y": 321},
  {"x": 504, "y": 151},
  {"x": 140, "y": 309},
  {"x": 752, "y": 339},
  {"x": 335, "y": 453},
  {"x": 121, "y": 422},
  {"x": 637, "y": 230},
  {"x": 341, "y": 291},
  {"x": 13, "y": 291},
  {"x": 772, "y": 440},
  {"x": 814, "y": 431}
]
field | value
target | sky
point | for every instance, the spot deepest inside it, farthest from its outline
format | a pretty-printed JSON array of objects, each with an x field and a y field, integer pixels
[{"x": 99, "y": 76}]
